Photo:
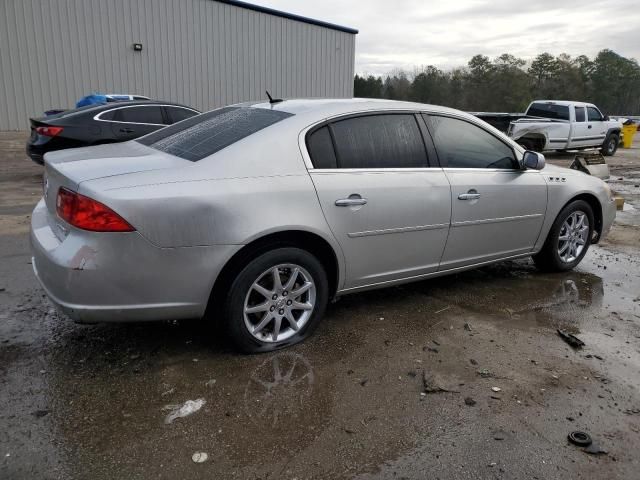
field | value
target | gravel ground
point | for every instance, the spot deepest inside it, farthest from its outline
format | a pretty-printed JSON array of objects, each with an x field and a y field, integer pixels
[{"x": 94, "y": 401}]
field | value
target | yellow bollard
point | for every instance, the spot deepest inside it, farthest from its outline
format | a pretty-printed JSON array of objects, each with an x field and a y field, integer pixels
[{"x": 628, "y": 131}]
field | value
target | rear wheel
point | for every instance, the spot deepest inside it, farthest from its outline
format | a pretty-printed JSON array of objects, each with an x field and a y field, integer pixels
[
  {"x": 533, "y": 144},
  {"x": 568, "y": 239},
  {"x": 610, "y": 145},
  {"x": 276, "y": 300}
]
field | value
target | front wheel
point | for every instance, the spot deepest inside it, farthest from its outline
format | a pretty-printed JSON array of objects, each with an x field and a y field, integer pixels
[
  {"x": 568, "y": 239},
  {"x": 276, "y": 300},
  {"x": 610, "y": 145}
]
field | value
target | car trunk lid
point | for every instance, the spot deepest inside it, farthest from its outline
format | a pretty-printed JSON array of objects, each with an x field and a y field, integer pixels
[{"x": 69, "y": 168}]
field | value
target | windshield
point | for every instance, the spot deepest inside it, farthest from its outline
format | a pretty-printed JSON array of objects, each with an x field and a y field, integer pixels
[
  {"x": 198, "y": 137},
  {"x": 549, "y": 110}
]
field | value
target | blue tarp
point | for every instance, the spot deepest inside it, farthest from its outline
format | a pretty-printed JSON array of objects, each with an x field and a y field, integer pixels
[{"x": 92, "y": 99}]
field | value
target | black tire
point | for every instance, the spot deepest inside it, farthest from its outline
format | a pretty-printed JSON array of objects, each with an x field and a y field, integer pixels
[
  {"x": 610, "y": 145},
  {"x": 233, "y": 310},
  {"x": 548, "y": 259}
]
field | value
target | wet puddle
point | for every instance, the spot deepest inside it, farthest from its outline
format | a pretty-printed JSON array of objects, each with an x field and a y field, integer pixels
[{"x": 344, "y": 402}]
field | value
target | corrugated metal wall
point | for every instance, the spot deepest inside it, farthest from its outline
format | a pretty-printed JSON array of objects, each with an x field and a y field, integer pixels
[{"x": 198, "y": 52}]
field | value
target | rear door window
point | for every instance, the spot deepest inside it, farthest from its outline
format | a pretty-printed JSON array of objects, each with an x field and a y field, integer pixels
[
  {"x": 177, "y": 114},
  {"x": 580, "y": 116},
  {"x": 203, "y": 135},
  {"x": 150, "y": 114},
  {"x": 461, "y": 144},
  {"x": 320, "y": 147},
  {"x": 379, "y": 141}
]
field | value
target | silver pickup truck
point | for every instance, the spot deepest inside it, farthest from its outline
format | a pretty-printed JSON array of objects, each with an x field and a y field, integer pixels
[{"x": 564, "y": 125}]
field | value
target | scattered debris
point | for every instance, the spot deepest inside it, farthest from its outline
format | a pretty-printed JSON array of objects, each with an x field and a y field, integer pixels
[
  {"x": 473, "y": 362},
  {"x": 467, "y": 327},
  {"x": 436, "y": 342},
  {"x": 632, "y": 411},
  {"x": 180, "y": 411},
  {"x": 40, "y": 413},
  {"x": 499, "y": 436},
  {"x": 199, "y": 457},
  {"x": 2, "y": 289},
  {"x": 595, "y": 449},
  {"x": 571, "y": 419},
  {"x": 442, "y": 310},
  {"x": 581, "y": 439},
  {"x": 168, "y": 392},
  {"x": 430, "y": 349},
  {"x": 412, "y": 373},
  {"x": 432, "y": 385},
  {"x": 210, "y": 383},
  {"x": 571, "y": 339},
  {"x": 470, "y": 401},
  {"x": 349, "y": 431},
  {"x": 496, "y": 389},
  {"x": 485, "y": 373}
]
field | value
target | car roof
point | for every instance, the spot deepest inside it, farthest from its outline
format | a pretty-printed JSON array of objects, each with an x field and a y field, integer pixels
[
  {"x": 94, "y": 109},
  {"x": 325, "y": 107},
  {"x": 565, "y": 103}
]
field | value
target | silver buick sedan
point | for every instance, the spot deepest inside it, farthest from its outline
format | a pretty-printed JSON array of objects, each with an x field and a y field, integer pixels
[{"x": 255, "y": 215}]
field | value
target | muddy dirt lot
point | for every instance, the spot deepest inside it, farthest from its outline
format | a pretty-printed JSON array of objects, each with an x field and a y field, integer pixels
[{"x": 94, "y": 402}]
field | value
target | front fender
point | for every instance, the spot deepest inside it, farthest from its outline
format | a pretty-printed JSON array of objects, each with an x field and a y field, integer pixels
[{"x": 566, "y": 185}]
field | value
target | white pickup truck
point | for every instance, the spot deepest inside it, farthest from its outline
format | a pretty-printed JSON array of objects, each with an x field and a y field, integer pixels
[{"x": 563, "y": 125}]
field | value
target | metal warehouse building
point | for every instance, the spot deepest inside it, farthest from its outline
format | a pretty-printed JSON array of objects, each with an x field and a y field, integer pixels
[{"x": 203, "y": 53}]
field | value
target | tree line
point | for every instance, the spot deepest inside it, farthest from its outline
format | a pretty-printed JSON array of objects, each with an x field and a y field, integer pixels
[{"x": 507, "y": 83}]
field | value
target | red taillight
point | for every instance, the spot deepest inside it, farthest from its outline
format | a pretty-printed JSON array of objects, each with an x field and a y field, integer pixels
[
  {"x": 49, "y": 131},
  {"x": 88, "y": 214}
]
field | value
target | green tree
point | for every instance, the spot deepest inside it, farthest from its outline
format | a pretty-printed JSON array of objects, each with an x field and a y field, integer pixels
[
  {"x": 370, "y": 87},
  {"x": 504, "y": 84}
]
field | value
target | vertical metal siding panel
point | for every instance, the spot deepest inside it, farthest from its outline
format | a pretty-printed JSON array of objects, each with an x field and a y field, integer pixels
[
  {"x": 16, "y": 65},
  {"x": 30, "y": 60},
  {"x": 235, "y": 54},
  {"x": 8, "y": 108},
  {"x": 216, "y": 21}
]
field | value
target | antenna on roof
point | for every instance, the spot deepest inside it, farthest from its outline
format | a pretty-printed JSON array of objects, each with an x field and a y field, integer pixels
[{"x": 272, "y": 100}]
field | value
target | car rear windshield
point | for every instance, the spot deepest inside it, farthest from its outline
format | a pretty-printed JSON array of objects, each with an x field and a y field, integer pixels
[
  {"x": 549, "y": 110},
  {"x": 203, "y": 135}
]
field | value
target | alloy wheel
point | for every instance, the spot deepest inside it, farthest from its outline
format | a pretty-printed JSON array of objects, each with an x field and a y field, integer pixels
[
  {"x": 573, "y": 236},
  {"x": 279, "y": 303}
]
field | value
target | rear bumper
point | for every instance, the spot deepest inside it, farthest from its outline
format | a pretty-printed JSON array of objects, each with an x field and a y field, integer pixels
[
  {"x": 36, "y": 154},
  {"x": 120, "y": 277}
]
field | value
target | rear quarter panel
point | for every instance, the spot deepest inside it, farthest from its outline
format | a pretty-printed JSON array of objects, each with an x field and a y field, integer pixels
[{"x": 255, "y": 187}]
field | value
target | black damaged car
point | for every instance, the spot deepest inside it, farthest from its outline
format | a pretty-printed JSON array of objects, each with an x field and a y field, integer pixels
[{"x": 98, "y": 124}]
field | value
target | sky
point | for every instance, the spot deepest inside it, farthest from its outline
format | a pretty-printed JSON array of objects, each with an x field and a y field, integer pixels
[{"x": 409, "y": 34}]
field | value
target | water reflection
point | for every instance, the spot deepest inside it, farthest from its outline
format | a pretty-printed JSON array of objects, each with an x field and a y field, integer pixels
[{"x": 278, "y": 388}]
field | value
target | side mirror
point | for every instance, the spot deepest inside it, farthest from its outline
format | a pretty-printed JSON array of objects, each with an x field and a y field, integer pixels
[
  {"x": 606, "y": 118},
  {"x": 533, "y": 160}
]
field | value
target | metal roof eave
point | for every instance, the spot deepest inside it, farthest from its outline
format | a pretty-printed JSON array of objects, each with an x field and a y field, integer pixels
[{"x": 290, "y": 16}]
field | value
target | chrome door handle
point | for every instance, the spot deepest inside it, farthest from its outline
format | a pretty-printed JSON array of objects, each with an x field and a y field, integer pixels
[
  {"x": 468, "y": 196},
  {"x": 354, "y": 200}
]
